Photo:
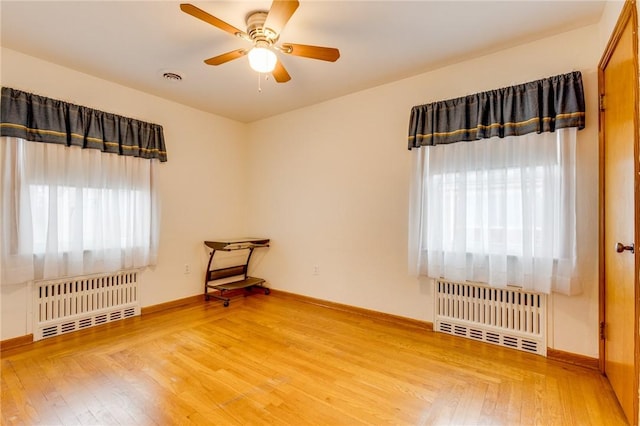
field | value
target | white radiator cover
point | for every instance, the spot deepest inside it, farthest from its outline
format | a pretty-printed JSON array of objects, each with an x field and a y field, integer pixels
[
  {"x": 506, "y": 317},
  {"x": 70, "y": 304}
]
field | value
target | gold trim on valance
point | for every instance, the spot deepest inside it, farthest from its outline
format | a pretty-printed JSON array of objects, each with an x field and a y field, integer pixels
[
  {"x": 538, "y": 106},
  {"x": 40, "y": 119}
]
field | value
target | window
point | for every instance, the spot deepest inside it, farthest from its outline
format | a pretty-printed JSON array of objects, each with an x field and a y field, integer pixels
[
  {"x": 84, "y": 204},
  {"x": 499, "y": 211},
  {"x": 493, "y": 201},
  {"x": 69, "y": 211}
]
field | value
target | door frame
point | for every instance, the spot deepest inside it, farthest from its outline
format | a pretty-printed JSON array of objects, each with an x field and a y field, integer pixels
[{"x": 629, "y": 12}]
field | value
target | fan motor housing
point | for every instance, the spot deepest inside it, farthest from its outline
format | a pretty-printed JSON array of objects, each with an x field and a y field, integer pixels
[{"x": 256, "y": 29}]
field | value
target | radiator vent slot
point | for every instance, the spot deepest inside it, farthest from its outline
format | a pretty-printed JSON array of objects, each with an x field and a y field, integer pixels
[
  {"x": 66, "y": 305},
  {"x": 510, "y": 318}
]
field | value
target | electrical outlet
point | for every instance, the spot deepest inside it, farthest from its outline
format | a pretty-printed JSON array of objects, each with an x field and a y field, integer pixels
[
  {"x": 187, "y": 268},
  {"x": 316, "y": 270}
]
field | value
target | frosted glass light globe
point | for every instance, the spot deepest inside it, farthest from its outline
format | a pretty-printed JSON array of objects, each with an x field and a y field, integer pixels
[{"x": 262, "y": 60}]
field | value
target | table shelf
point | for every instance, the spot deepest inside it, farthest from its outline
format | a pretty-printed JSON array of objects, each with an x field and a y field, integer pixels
[{"x": 220, "y": 280}]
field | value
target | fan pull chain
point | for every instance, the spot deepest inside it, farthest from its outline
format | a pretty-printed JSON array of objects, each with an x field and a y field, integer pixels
[{"x": 266, "y": 77}]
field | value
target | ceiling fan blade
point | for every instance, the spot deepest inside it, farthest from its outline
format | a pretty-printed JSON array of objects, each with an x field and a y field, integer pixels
[
  {"x": 226, "y": 57},
  {"x": 210, "y": 19},
  {"x": 280, "y": 74},
  {"x": 330, "y": 54},
  {"x": 279, "y": 14}
]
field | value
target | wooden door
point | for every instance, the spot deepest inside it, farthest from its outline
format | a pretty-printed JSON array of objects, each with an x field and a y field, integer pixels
[{"x": 619, "y": 208}]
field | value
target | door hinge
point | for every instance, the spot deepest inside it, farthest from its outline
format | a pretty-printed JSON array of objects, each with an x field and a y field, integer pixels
[
  {"x": 602, "y": 102},
  {"x": 602, "y": 337}
]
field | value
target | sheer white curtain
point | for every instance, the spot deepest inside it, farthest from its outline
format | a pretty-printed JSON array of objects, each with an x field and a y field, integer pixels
[
  {"x": 498, "y": 211},
  {"x": 69, "y": 211}
]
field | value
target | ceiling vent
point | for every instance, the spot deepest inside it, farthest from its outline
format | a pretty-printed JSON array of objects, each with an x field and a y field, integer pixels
[{"x": 171, "y": 76}]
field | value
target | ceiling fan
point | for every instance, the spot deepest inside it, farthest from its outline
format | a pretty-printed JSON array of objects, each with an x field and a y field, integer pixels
[{"x": 263, "y": 31}]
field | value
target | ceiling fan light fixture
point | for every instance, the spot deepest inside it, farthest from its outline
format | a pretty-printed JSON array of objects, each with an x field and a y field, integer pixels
[
  {"x": 263, "y": 31},
  {"x": 262, "y": 60}
]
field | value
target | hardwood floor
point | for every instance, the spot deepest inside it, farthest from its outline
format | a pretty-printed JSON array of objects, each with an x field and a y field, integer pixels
[{"x": 277, "y": 360}]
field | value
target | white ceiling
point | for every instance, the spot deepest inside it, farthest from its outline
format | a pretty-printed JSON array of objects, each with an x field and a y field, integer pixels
[{"x": 132, "y": 43}]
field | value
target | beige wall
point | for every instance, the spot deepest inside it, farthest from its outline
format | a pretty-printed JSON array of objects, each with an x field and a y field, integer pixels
[
  {"x": 328, "y": 183},
  {"x": 330, "y": 186},
  {"x": 608, "y": 21},
  {"x": 202, "y": 186}
]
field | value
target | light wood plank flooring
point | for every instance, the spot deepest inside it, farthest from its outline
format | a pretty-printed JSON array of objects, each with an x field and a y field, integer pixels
[{"x": 277, "y": 360}]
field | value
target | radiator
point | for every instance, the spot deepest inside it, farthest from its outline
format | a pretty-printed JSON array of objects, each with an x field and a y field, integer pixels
[
  {"x": 505, "y": 317},
  {"x": 71, "y": 304}
]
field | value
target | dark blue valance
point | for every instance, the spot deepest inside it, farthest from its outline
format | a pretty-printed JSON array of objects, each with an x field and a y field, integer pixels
[
  {"x": 538, "y": 106},
  {"x": 40, "y": 119}
]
